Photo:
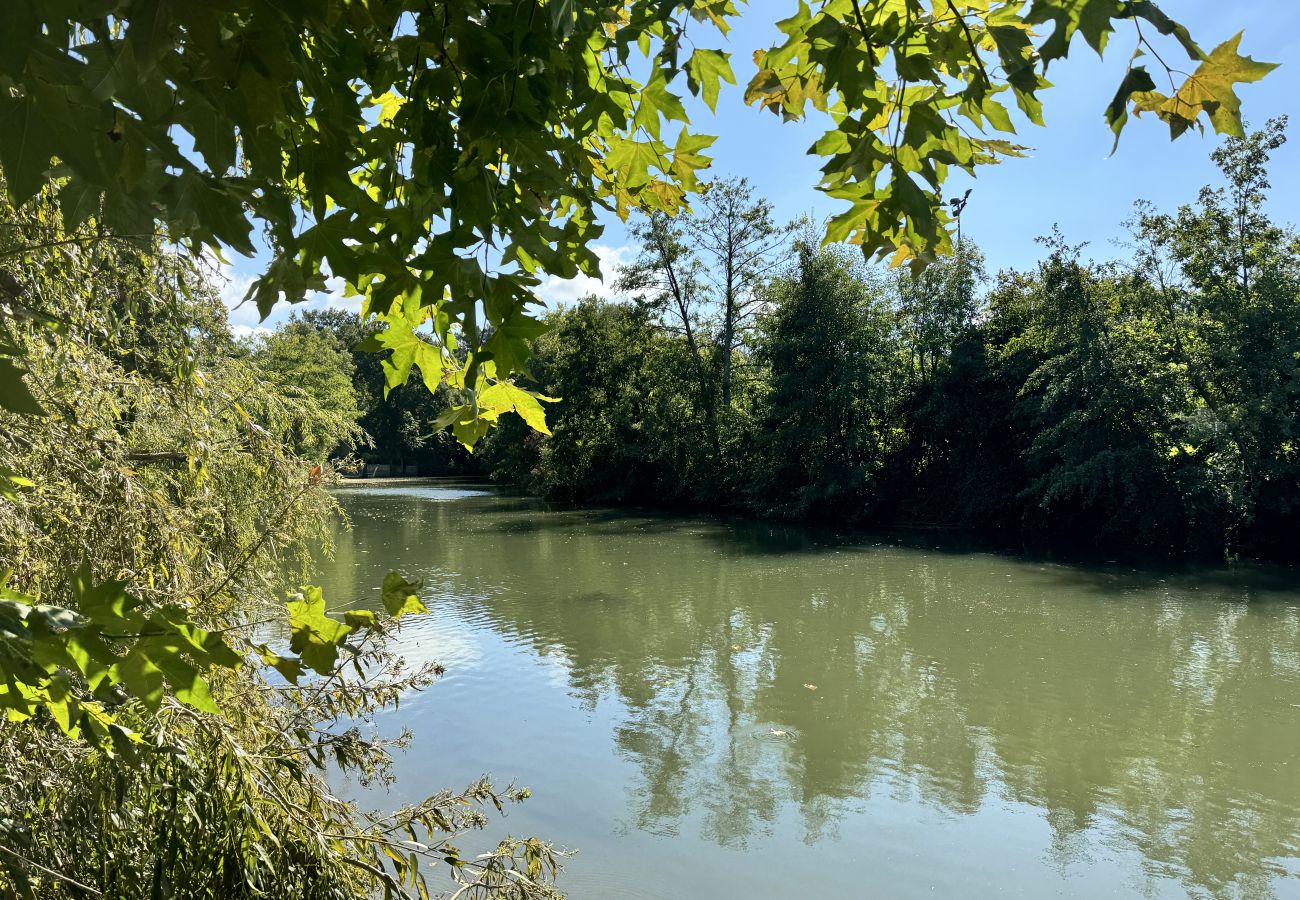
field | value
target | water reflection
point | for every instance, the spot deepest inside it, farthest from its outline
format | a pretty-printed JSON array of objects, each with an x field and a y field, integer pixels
[{"x": 753, "y": 680}]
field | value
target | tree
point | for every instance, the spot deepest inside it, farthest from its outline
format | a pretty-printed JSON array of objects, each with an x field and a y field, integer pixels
[
  {"x": 1102, "y": 460},
  {"x": 831, "y": 354},
  {"x": 1228, "y": 279},
  {"x": 153, "y": 519},
  {"x": 399, "y": 427},
  {"x": 605, "y": 362},
  {"x": 310, "y": 381},
  {"x": 703, "y": 276},
  {"x": 442, "y": 158},
  {"x": 936, "y": 307},
  {"x": 667, "y": 278},
  {"x": 736, "y": 233}
]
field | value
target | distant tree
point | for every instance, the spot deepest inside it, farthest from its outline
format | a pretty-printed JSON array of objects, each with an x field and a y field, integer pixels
[
  {"x": 1100, "y": 465},
  {"x": 399, "y": 429},
  {"x": 742, "y": 247},
  {"x": 668, "y": 278},
  {"x": 1228, "y": 279},
  {"x": 829, "y": 346},
  {"x": 936, "y": 306},
  {"x": 605, "y": 363},
  {"x": 703, "y": 277},
  {"x": 310, "y": 376}
]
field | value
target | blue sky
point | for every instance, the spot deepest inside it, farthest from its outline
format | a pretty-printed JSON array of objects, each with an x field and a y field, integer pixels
[{"x": 1069, "y": 179}]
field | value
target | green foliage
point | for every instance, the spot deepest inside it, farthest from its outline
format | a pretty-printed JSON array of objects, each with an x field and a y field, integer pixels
[
  {"x": 397, "y": 426},
  {"x": 1150, "y": 406},
  {"x": 937, "y": 307},
  {"x": 1101, "y": 459},
  {"x": 150, "y": 749},
  {"x": 309, "y": 377},
  {"x": 608, "y": 364},
  {"x": 107, "y": 641},
  {"x": 442, "y": 159},
  {"x": 1227, "y": 278},
  {"x": 387, "y": 155},
  {"x": 834, "y": 369}
]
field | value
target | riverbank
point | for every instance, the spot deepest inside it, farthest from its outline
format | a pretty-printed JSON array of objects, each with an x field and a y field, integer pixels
[{"x": 1041, "y": 546}]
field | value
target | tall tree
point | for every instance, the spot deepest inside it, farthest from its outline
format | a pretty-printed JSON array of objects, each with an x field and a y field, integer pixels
[
  {"x": 309, "y": 377},
  {"x": 830, "y": 349},
  {"x": 1229, "y": 277},
  {"x": 1102, "y": 401},
  {"x": 936, "y": 306},
  {"x": 668, "y": 278},
  {"x": 734, "y": 232}
]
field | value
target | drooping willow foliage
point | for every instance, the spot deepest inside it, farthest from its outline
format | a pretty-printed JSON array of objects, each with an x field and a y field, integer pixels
[{"x": 169, "y": 719}]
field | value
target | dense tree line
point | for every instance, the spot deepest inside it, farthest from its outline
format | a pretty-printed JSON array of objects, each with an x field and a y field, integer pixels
[{"x": 1151, "y": 404}]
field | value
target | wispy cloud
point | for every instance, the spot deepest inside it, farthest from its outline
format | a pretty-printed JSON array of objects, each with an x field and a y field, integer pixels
[
  {"x": 247, "y": 331},
  {"x": 556, "y": 292}
]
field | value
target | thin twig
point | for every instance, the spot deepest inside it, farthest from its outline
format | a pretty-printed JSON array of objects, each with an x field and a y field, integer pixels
[{"x": 53, "y": 874}]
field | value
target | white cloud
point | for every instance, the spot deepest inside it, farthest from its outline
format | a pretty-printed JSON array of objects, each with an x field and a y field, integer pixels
[
  {"x": 247, "y": 331},
  {"x": 244, "y": 318},
  {"x": 555, "y": 292}
]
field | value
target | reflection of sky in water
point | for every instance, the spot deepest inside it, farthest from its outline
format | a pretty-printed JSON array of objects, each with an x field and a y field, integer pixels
[
  {"x": 414, "y": 491},
  {"x": 715, "y": 710}
]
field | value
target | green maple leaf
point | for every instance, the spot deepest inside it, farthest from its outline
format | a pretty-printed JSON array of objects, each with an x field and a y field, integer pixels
[
  {"x": 656, "y": 102},
  {"x": 406, "y": 348},
  {"x": 401, "y": 596},
  {"x": 504, "y": 397},
  {"x": 1091, "y": 18},
  {"x": 315, "y": 636},
  {"x": 704, "y": 72},
  {"x": 510, "y": 344},
  {"x": 25, "y": 150},
  {"x": 632, "y": 160},
  {"x": 1136, "y": 81}
]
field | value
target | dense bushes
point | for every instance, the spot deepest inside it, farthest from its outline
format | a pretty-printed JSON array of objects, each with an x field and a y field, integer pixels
[
  {"x": 1151, "y": 405},
  {"x": 161, "y": 494}
]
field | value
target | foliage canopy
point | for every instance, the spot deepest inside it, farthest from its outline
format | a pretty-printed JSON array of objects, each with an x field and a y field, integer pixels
[
  {"x": 442, "y": 158},
  {"x": 1147, "y": 406}
]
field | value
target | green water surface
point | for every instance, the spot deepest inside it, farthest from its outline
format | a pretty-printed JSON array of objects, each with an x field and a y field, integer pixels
[{"x": 709, "y": 709}]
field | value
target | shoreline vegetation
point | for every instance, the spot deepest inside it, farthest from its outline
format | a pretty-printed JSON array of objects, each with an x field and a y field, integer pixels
[
  {"x": 955, "y": 540},
  {"x": 173, "y": 689},
  {"x": 1140, "y": 409}
]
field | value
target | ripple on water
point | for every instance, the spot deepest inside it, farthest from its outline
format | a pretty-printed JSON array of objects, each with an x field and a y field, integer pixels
[{"x": 607, "y": 886}]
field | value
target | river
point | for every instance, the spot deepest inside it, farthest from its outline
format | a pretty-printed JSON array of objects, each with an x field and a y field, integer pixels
[{"x": 710, "y": 709}]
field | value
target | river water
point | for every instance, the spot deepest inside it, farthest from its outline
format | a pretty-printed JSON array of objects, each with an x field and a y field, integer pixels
[{"x": 709, "y": 709}]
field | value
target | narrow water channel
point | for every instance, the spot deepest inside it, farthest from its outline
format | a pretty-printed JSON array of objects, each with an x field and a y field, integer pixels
[{"x": 708, "y": 709}]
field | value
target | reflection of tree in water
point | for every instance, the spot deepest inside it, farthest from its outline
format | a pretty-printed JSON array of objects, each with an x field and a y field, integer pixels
[{"x": 1116, "y": 708}]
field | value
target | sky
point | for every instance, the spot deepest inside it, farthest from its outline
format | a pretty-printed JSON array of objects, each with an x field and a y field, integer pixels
[{"x": 1069, "y": 179}]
